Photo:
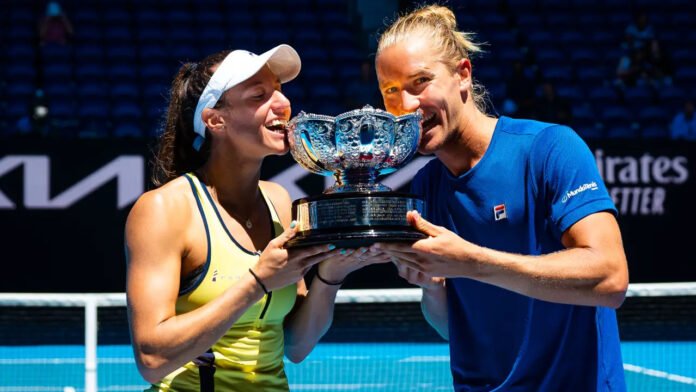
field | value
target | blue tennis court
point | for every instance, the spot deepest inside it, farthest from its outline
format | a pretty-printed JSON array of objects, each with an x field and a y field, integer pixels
[{"x": 393, "y": 367}]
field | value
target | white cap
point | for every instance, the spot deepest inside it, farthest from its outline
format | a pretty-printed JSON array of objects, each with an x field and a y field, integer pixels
[{"x": 237, "y": 67}]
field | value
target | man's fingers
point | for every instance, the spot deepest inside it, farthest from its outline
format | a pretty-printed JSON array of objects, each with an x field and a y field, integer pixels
[
  {"x": 403, "y": 247},
  {"x": 417, "y": 221}
]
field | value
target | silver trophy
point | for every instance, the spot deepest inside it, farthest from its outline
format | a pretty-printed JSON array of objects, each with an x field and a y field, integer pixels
[{"x": 355, "y": 148}]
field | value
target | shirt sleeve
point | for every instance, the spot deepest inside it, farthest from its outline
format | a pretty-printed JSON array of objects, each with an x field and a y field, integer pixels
[{"x": 567, "y": 177}]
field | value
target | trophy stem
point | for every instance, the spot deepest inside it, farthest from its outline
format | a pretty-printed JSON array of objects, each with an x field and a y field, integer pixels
[{"x": 357, "y": 180}]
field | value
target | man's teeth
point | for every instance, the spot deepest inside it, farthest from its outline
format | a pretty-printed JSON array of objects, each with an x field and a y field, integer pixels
[{"x": 429, "y": 117}]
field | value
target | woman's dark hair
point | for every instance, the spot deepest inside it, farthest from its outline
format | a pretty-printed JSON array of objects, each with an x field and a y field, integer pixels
[{"x": 175, "y": 153}]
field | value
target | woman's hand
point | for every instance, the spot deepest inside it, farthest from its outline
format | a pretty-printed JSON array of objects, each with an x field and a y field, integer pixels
[
  {"x": 278, "y": 267},
  {"x": 345, "y": 261}
]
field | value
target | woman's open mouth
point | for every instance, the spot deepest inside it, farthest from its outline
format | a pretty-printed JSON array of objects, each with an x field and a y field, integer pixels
[{"x": 277, "y": 126}]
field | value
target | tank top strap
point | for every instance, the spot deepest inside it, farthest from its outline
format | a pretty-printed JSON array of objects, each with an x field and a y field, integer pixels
[{"x": 275, "y": 219}]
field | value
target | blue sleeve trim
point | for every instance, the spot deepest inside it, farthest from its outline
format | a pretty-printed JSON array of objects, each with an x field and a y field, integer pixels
[{"x": 589, "y": 208}]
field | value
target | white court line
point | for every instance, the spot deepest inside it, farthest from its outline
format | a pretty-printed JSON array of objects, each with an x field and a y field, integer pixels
[
  {"x": 37, "y": 388},
  {"x": 425, "y": 358},
  {"x": 659, "y": 374},
  {"x": 60, "y": 361},
  {"x": 335, "y": 387}
]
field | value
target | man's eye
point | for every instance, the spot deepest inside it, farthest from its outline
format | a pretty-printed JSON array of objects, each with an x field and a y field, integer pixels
[
  {"x": 422, "y": 80},
  {"x": 390, "y": 90}
]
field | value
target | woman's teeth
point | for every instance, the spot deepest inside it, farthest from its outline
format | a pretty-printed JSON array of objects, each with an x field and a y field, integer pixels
[{"x": 277, "y": 126}]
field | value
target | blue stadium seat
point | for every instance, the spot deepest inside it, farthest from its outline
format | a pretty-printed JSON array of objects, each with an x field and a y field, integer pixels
[
  {"x": 63, "y": 109},
  {"x": 117, "y": 17},
  {"x": 121, "y": 54},
  {"x": 20, "y": 90},
  {"x": 622, "y": 132},
  {"x": 560, "y": 74},
  {"x": 601, "y": 95},
  {"x": 58, "y": 71},
  {"x": 20, "y": 72},
  {"x": 121, "y": 72},
  {"x": 59, "y": 90},
  {"x": 89, "y": 72},
  {"x": 89, "y": 53},
  {"x": 127, "y": 130},
  {"x": 653, "y": 115},
  {"x": 54, "y": 53},
  {"x": 21, "y": 52},
  {"x": 571, "y": 92},
  {"x": 655, "y": 131},
  {"x": 529, "y": 20},
  {"x": 94, "y": 109},
  {"x": 671, "y": 96},
  {"x": 91, "y": 90},
  {"x": 125, "y": 91},
  {"x": 115, "y": 34},
  {"x": 615, "y": 116},
  {"x": 639, "y": 95}
]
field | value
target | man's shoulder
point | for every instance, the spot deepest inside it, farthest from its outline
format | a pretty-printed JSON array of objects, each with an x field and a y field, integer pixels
[{"x": 520, "y": 126}]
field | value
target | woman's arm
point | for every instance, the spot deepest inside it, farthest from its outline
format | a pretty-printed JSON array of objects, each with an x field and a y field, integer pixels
[
  {"x": 155, "y": 246},
  {"x": 157, "y": 240}
]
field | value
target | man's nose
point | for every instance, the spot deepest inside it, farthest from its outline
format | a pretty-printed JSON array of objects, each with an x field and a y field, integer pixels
[{"x": 409, "y": 102}]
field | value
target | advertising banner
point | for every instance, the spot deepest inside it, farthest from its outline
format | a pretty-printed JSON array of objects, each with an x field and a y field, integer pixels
[{"x": 63, "y": 206}]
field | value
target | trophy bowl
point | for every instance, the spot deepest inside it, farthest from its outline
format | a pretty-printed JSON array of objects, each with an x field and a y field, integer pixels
[{"x": 355, "y": 148}]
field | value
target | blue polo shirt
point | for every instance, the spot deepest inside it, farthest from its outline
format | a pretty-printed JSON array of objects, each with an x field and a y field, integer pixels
[{"x": 533, "y": 183}]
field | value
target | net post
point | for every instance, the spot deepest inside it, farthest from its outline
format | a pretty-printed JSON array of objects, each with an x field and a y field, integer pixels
[{"x": 90, "y": 344}]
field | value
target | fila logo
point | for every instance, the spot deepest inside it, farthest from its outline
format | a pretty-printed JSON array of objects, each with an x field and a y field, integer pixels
[{"x": 499, "y": 212}]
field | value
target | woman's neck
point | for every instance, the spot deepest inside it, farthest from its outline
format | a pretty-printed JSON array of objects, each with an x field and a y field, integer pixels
[{"x": 234, "y": 182}]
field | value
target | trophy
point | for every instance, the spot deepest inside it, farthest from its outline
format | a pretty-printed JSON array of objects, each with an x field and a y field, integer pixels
[{"x": 354, "y": 147}]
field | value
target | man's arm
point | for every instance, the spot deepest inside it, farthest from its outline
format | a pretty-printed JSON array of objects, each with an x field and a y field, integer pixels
[
  {"x": 591, "y": 271},
  {"x": 434, "y": 300}
]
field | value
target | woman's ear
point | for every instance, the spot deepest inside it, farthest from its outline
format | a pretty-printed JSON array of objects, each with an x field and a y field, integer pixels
[
  {"x": 212, "y": 120},
  {"x": 464, "y": 72}
]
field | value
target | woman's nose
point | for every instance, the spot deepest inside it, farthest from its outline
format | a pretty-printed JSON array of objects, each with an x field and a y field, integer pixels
[{"x": 280, "y": 103}]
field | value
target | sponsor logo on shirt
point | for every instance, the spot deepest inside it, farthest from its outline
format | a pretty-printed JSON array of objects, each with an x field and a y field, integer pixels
[
  {"x": 582, "y": 188},
  {"x": 499, "y": 212}
]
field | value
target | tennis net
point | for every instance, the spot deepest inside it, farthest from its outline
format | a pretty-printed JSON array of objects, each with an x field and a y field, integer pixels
[{"x": 379, "y": 341}]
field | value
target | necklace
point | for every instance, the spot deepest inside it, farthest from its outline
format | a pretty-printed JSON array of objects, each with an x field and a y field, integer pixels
[{"x": 247, "y": 222}]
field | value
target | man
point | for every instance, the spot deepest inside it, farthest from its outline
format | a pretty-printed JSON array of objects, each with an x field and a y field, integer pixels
[{"x": 522, "y": 229}]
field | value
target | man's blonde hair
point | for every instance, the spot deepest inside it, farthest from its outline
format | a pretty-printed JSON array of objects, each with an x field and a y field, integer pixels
[{"x": 438, "y": 25}]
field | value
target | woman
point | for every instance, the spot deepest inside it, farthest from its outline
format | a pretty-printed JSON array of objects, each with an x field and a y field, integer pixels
[{"x": 214, "y": 299}]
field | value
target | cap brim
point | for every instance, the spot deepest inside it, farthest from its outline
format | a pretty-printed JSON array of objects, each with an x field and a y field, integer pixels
[{"x": 283, "y": 61}]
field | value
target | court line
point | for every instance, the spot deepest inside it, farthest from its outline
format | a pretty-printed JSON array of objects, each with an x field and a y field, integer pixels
[
  {"x": 39, "y": 388},
  {"x": 659, "y": 374},
  {"x": 60, "y": 361},
  {"x": 335, "y": 387},
  {"x": 426, "y": 358}
]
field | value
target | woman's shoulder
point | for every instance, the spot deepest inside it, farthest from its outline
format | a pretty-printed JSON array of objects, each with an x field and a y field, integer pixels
[
  {"x": 169, "y": 204},
  {"x": 275, "y": 191},
  {"x": 280, "y": 198}
]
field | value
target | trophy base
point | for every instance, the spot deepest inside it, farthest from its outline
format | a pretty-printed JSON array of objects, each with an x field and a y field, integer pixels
[{"x": 354, "y": 219}]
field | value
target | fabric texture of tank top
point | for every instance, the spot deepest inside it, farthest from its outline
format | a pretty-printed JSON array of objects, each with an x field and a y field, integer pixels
[{"x": 249, "y": 357}]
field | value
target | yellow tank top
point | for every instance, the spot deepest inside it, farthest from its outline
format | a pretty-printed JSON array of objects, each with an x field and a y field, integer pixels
[{"x": 249, "y": 357}]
